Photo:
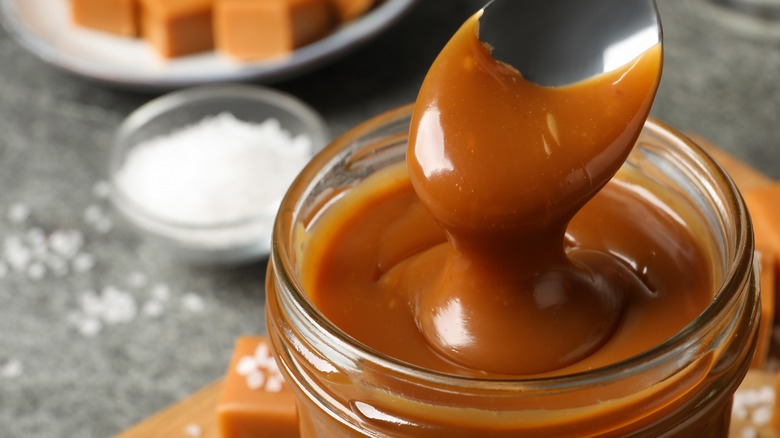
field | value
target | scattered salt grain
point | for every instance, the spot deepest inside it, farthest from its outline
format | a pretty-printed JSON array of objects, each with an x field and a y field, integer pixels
[
  {"x": 89, "y": 327},
  {"x": 153, "y": 309},
  {"x": 161, "y": 292},
  {"x": 193, "y": 430},
  {"x": 12, "y": 369},
  {"x": 83, "y": 262},
  {"x": 118, "y": 307},
  {"x": 274, "y": 383},
  {"x": 766, "y": 394},
  {"x": 255, "y": 380},
  {"x": 18, "y": 213},
  {"x": 263, "y": 354},
  {"x": 16, "y": 253},
  {"x": 246, "y": 365},
  {"x": 112, "y": 306},
  {"x": 193, "y": 302},
  {"x": 137, "y": 279},
  {"x": 219, "y": 170},
  {"x": 260, "y": 370},
  {"x": 749, "y": 432},
  {"x": 66, "y": 243},
  {"x": 755, "y": 406},
  {"x": 761, "y": 416}
]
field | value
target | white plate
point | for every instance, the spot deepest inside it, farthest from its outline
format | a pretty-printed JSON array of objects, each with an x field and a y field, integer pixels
[{"x": 44, "y": 28}]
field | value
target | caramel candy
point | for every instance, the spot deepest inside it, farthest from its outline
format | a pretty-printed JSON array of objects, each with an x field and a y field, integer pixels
[
  {"x": 114, "y": 16},
  {"x": 255, "y": 401},
  {"x": 253, "y": 29},
  {"x": 767, "y": 260},
  {"x": 350, "y": 9},
  {"x": 764, "y": 206},
  {"x": 178, "y": 27}
]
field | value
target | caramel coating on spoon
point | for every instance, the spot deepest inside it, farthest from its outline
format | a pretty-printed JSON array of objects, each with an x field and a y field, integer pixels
[{"x": 503, "y": 165}]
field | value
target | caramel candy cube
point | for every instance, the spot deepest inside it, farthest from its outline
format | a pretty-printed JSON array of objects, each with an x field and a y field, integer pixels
[
  {"x": 768, "y": 281},
  {"x": 350, "y": 9},
  {"x": 178, "y": 27},
  {"x": 255, "y": 29},
  {"x": 764, "y": 206},
  {"x": 114, "y": 16},
  {"x": 255, "y": 401}
]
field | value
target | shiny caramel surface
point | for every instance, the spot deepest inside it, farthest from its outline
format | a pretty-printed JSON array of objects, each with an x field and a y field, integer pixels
[{"x": 468, "y": 260}]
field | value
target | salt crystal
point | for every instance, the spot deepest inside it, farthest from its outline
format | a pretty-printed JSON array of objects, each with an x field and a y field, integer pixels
[
  {"x": 66, "y": 243},
  {"x": 118, "y": 306},
  {"x": 137, "y": 279},
  {"x": 749, "y": 432},
  {"x": 16, "y": 253},
  {"x": 761, "y": 415},
  {"x": 192, "y": 430},
  {"x": 262, "y": 353},
  {"x": 766, "y": 394},
  {"x": 193, "y": 302},
  {"x": 271, "y": 366},
  {"x": 161, "y": 292},
  {"x": 255, "y": 380},
  {"x": 274, "y": 383},
  {"x": 246, "y": 365},
  {"x": 153, "y": 309},
  {"x": 12, "y": 369},
  {"x": 18, "y": 213},
  {"x": 101, "y": 189},
  {"x": 83, "y": 262},
  {"x": 89, "y": 327},
  {"x": 739, "y": 412},
  {"x": 219, "y": 170}
]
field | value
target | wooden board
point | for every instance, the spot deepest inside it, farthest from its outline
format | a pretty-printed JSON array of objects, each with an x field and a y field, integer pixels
[
  {"x": 199, "y": 410},
  {"x": 196, "y": 413}
]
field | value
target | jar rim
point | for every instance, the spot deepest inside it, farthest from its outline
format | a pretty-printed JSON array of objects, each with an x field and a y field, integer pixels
[{"x": 738, "y": 270}]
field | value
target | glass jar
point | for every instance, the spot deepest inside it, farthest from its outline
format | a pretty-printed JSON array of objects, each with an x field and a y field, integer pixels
[{"x": 680, "y": 388}]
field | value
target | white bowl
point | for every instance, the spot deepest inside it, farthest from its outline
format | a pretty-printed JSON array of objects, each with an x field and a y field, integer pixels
[{"x": 229, "y": 240}]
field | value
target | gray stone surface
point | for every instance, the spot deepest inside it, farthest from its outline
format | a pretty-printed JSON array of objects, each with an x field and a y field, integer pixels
[{"x": 55, "y": 130}]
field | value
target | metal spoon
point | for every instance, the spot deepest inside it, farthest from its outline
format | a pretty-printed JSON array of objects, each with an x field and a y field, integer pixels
[{"x": 560, "y": 42}]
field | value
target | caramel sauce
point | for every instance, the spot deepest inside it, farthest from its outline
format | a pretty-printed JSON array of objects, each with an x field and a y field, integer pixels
[{"x": 502, "y": 248}]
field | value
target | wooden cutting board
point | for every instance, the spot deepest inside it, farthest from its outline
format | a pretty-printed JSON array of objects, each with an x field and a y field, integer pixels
[{"x": 195, "y": 416}]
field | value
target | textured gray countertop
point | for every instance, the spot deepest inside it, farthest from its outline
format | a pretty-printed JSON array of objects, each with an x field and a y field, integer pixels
[{"x": 61, "y": 379}]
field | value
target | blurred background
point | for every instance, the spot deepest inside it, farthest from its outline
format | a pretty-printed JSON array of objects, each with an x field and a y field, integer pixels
[{"x": 720, "y": 81}]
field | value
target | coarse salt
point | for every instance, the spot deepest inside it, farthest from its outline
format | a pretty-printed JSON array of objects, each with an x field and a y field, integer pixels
[
  {"x": 12, "y": 369},
  {"x": 193, "y": 430},
  {"x": 193, "y": 302},
  {"x": 216, "y": 171},
  {"x": 18, "y": 213},
  {"x": 260, "y": 370},
  {"x": 153, "y": 309}
]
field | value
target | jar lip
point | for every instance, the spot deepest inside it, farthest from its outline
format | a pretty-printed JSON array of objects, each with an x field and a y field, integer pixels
[{"x": 738, "y": 270}]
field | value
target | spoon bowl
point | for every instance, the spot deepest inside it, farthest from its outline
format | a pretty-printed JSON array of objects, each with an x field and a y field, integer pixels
[{"x": 557, "y": 43}]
